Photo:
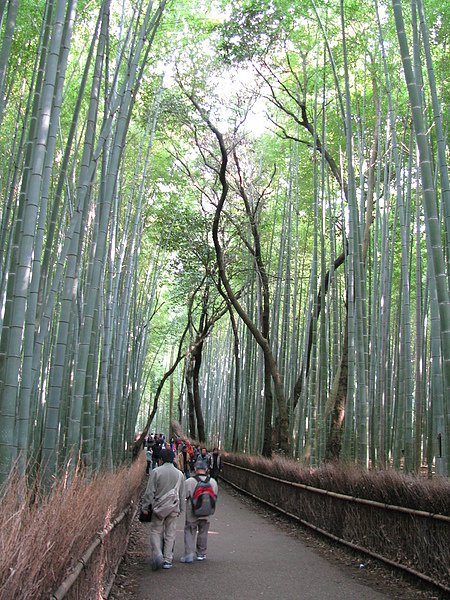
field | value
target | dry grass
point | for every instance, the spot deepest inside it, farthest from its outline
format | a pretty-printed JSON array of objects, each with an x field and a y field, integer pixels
[
  {"x": 387, "y": 486},
  {"x": 41, "y": 538}
]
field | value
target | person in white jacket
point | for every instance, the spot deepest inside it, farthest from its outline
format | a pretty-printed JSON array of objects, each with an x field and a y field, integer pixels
[{"x": 162, "y": 530}]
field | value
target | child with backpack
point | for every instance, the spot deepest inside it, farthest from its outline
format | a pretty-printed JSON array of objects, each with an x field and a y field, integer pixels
[{"x": 201, "y": 496}]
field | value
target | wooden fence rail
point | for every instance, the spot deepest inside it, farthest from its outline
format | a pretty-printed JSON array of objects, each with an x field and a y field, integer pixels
[{"x": 94, "y": 573}]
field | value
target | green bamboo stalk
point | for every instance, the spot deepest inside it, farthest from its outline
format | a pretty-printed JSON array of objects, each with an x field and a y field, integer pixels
[
  {"x": 357, "y": 318},
  {"x": 71, "y": 250},
  {"x": 126, "y": 97},
  {"x": 12, "y": 335},
  {"x": 440, "y": 137},
  {"x": 5, "y": 51},
  {"x": 432, "y": 222},
  {"x": 26, "y": 384}
]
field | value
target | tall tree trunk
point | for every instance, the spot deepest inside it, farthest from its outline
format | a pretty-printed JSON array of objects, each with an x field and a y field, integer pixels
[
  {"x": 257, "y": 334},
  {"x": 197, "y": 363},
  {"x": 338, "y": 403},
  {"x": 190, "y": 399}
]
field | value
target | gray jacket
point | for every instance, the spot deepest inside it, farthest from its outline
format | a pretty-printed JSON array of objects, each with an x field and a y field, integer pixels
[{"x": 161, "y": 480}]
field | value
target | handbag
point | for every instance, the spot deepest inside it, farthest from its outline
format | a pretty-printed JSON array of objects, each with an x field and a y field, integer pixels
[
  {"x": 145, "y": 517},
  {"x": 168, "y": 503}
]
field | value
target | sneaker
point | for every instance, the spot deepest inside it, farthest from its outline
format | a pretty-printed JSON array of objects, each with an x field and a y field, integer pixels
[
  {"x": 188, "y": 559},
  {"x": 157, "y": 563},
  {"x": 201, "y": 556},
  {"x": 167, "y": 565}
]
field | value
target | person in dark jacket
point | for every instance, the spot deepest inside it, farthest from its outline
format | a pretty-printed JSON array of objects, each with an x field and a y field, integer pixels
[
  {"x": 216, "y": 463},
  {"x": 204, "y": 455},
  {"x": 156, "y": 451}
]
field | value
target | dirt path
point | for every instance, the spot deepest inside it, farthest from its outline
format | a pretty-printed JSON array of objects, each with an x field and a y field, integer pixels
[{"x": 254, "y": 555}]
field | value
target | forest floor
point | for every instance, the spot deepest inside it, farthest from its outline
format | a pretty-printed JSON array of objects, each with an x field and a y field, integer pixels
[{"x": 255, "y": 553}]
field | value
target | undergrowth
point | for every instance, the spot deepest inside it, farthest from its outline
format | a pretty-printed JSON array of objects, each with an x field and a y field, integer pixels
[
  {"x": 43, "y": 536},
  {"x": 386, "y": 486}
]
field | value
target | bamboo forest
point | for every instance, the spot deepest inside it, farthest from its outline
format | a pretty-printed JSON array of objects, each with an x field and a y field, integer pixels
[{"x": 230, "y": 215}]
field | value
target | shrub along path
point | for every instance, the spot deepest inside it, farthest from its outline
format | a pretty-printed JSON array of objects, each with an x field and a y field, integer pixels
[{"x": 253, "y": 555}]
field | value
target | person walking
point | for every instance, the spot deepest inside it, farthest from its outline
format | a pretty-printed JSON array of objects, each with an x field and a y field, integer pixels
[
  {"x": 201, "y": 495},
  {"x": 188, "y": 452},
  {"x": 179, "y": 458},
  {"x": 149, "y": 457},
  {"x": 164, "y": 482},
  {"x": 216, "y": 463},
  {"x": 204, "y": 455},
  {"x": 156, "y": 447}
]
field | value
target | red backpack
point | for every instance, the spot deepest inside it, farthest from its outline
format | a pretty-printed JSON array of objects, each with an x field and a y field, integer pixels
[{"x": 203, "y": 499}]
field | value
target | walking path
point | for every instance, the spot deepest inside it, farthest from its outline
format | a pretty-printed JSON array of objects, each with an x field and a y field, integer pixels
[{"x": 249, "y": 558}]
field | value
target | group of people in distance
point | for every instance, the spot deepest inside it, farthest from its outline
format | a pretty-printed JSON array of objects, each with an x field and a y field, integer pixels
[
  {"x": 182, "y": 480},
  {"x": 186, "y": 454}
]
